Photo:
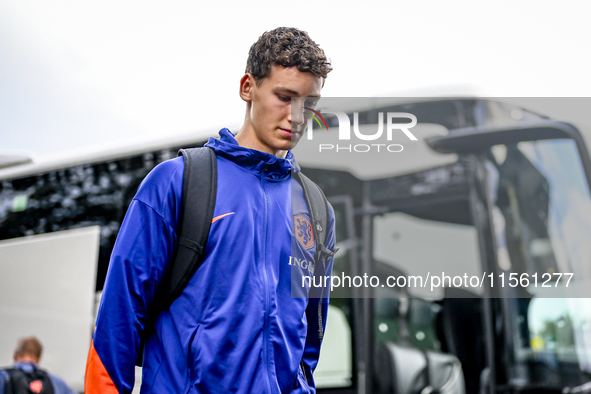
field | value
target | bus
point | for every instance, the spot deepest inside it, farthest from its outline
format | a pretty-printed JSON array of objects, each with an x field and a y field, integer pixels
[{"x": 493, "y": 191}]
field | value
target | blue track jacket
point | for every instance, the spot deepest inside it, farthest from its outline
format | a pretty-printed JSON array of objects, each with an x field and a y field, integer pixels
[{"x": 235, "y": 328}]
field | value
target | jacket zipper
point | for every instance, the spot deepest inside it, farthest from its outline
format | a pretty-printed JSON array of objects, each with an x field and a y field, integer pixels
[
  {"x": 266, "y": 280},
  {"x": 302, "y": 377}
]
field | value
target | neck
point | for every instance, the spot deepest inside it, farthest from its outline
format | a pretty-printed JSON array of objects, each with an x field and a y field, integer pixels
[
  {"x": 246, "y": 138},
  {"x": 27, "y": 359}
]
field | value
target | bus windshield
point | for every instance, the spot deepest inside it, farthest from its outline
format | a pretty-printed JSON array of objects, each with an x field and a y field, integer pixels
[{"x": 541, "y": 216}]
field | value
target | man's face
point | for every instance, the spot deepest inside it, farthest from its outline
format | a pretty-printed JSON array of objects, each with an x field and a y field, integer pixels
[{"x": 270, "y": 125}]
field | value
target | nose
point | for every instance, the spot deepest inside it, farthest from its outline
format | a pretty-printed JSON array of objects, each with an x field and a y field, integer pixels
[{"x": 296, "y": 114}]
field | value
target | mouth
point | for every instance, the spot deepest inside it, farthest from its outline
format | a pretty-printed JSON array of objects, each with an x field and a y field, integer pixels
[
  {"x": 289, "y": 132},
  {"x": 295, "y": 130}
]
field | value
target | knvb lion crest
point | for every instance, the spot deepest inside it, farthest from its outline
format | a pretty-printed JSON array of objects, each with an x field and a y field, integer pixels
[{"x": 304, "y": 232}]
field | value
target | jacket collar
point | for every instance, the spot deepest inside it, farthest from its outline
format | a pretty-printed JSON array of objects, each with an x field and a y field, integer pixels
[
  {"x": 251, "y": 159},
  {"x": 27, "y": 367}
]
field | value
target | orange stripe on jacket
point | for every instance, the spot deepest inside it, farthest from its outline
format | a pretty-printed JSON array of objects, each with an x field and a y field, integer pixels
[
  {"x": 221, "y": 216},
  {"x": 97, "y": 379}
]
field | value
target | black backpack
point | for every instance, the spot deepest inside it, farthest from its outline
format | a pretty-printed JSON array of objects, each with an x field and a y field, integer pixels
[
  {"x": 35, "y": 382},
  {"x": 199, "y": 190}
]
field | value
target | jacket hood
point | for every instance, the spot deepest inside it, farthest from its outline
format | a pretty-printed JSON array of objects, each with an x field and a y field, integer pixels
[{"x": 252, "y": 159}]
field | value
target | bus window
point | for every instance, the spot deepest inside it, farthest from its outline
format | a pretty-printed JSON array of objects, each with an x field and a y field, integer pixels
[
  {"x": 421, "y": 247},
  {"x": 541, "y": 217},
  {"x": 420, "y": 314},
  {"x": 335, "y": 366},
  {"x": 336, "y": 358}
]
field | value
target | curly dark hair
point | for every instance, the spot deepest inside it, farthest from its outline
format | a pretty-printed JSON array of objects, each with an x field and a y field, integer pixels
[{"x": 287, "y": 47}]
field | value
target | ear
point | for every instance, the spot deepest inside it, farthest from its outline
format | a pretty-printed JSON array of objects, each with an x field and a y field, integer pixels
[{"x": 247, "y": 83}]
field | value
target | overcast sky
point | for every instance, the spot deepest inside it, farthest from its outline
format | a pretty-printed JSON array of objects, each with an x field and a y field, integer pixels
[{"x": 78, "y": 73}]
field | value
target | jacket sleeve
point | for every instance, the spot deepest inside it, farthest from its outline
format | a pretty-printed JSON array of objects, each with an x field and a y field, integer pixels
[
  {"x": 141, "y": 254},
  {"x": 59, "y": 386},
  {"x": 316, "y": 302}
]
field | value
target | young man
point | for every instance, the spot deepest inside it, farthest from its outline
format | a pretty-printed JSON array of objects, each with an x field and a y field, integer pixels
[
  {"x": 26, "y": 377},
  {"x": 235, "y": 327}
]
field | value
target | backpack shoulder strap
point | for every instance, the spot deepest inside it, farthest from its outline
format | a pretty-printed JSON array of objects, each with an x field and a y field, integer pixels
[
  {"x": 12, "y": 375},
  {"x": 319, "y": 211},
  {"x": 318, "y": 207},
  {"x": 197, "y": 208}
]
